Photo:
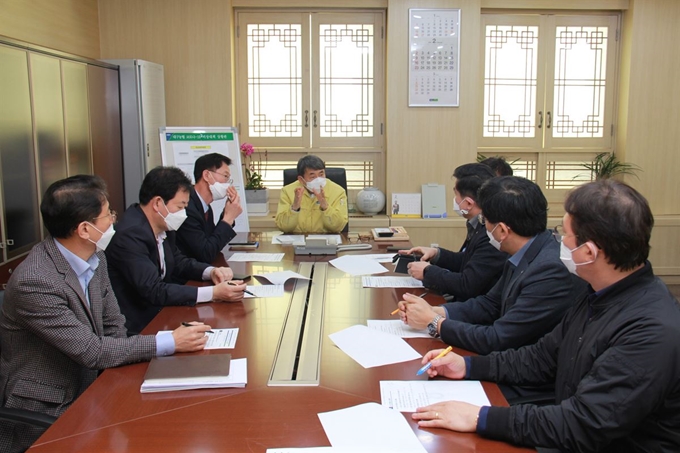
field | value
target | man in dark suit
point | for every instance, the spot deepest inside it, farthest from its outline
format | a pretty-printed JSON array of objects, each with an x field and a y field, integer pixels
[
  {"x": 60, "y": 322},
  {"x": 199, "y": 237},
  {"x": 533, "y": 292},
  {"x": 145, "y": 265},
  {"x": 474, "y": 269}
]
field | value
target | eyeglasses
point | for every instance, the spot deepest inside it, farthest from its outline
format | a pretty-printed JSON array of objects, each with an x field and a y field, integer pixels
[
  {"x": 112, "y": 214},
  {"x": 227, "y": 177},
  {"x": 559, "y": 234},
  {"x": 359, "y": 238}
]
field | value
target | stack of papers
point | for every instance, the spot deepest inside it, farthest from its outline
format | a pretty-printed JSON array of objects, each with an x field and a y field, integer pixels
[{"x": 190, "y": 372}]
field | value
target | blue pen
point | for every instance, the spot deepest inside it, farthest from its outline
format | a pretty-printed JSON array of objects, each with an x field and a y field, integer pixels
[{"x": 429, "y": 364}]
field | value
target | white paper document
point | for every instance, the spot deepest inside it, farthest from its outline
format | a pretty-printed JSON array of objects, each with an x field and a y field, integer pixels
[
  {"x": 279, "y": 278},
  {"x": 312, "y": 450},
  {"x": 332, "y": 239},
  {"x": 380, "y": 257},
  {"x": 370, "y": 347},
  {"x": 397, "y": 327},
  {"x": 262, "y": 257},
  {"x": 238, "y": 378},
  {"x": 391, "y": 282},
  {"x": 406, "y": 396},
  {"x": 289, "y": 239},
  {"x": 371, "y": 428},
  {"x": 264, "y": 291},
  {"x": 219, "y": 339},
  {"x": 357, "y": 265}
]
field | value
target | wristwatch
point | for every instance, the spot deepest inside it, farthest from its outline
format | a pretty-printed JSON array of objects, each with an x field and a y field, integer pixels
[{"x": 432, "y": 326}]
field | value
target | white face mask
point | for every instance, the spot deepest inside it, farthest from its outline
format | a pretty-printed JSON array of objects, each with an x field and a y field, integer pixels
[
  {"x": 492, "y": 240},
  {"x": 567, "y": 258},
  {"x": 174, "y": 220},
  {"x": 457, "y": 210},
  {"x": 219, "y": 190},
  {"x": 316, "y": 184},
  {"x": 105, "y": 239}
]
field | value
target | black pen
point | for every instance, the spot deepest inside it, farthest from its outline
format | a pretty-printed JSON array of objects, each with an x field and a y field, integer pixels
[
  {"x": 245, "y": 290},
  {"x": 186, "y": 324}
]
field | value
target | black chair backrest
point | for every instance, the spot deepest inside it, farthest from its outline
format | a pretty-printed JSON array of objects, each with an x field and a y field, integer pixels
[{"x": 337, "y": 175}]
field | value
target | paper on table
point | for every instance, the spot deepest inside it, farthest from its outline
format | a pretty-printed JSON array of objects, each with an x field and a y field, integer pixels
[
  {"x": 357, "y": 265},
  {"x": 238, "y": 378},
  {"x": 279, "y": 278},
  {"x": 380, "y": 257},
  {"x": 264, "y": 291},
  {"x": 267, "y": 257},
  {"x": 312, "y": 450},
  {"x": 370, "y": 347},
  {"x": 406, "y": 396},
  {"x": 331, "y": 238},
  {"x": 391, "y": 282},
  {"x": 289, "y": 239},
  {"x": 370, "y": 427},
  {"x": 397, "y": 327},
  {"x": 219, "y": 339}
]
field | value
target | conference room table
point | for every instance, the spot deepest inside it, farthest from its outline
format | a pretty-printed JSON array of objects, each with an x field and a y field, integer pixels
[{"x": 113, "y": 416}]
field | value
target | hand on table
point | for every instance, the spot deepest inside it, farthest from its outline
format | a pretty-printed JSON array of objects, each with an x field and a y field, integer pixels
[
  {"x": 451, "y": 365},
  {"x": 416, "y": 312},
  {"x": 221, "y": 274},
  {"x": 230, "y": 291},
  {"x": 453, "y": 415},
  {"x": 190, "y": 338}
]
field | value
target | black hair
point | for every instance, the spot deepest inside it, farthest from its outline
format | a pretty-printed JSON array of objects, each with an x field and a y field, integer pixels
[
  {"x": 311, "y": 162},
  {"x": 470, "y": 177},
  {"x": 164, "y": 182},
  {"x": 211, "y": 162},
  {"x": 69, "y": 202},
  {"x": 614, "y": 216},
  {"x": 499, "y": 165},
  {"x": 515, "y": 201}
]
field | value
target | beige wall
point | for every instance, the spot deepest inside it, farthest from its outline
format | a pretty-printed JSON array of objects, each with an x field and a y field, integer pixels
[
  {"x": 66, "y": 25},
  {"x": 193, "y": 40}
]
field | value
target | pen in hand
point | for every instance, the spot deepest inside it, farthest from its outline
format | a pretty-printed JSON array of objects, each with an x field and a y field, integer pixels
[
  {"x": 187, "y": 324},
  {"x": 429, "y": 364},
  {"x": 245, "y": 290},
  {"x": 396, "y": 310}
]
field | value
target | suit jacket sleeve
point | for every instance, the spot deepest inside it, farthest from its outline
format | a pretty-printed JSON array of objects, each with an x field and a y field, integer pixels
[
  {"x": 128, "y": 253},
  {"x": 195, "y": 243},
  {"x": 474, "y": 278},
  {"x": 45, "y": 311},
  {"x": 540, "y": 302}
]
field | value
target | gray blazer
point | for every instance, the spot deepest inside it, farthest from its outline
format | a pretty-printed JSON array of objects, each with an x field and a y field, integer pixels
[{"x": 52, "y": 344}]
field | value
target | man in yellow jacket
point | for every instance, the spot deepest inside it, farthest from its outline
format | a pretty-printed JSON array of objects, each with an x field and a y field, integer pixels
[{"x": 312, "y": 204}]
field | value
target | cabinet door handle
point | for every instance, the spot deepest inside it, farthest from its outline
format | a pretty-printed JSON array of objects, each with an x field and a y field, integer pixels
[
  {"x": 548, "y": 120},
  {"x": 314, "y": 118},
  {"x": 540, "y": 119},
  {"x": 306, "y": 118}
]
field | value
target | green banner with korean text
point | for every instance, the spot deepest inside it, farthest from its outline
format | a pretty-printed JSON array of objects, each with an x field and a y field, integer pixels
[{"x": 207, "y": 136}]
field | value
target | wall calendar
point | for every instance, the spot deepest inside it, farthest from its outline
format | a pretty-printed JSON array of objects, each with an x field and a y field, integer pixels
[{"x": 434, "y": 49}]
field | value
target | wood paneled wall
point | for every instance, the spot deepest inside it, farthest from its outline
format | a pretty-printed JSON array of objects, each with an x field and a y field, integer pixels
[{"x": 66, "y": 25}]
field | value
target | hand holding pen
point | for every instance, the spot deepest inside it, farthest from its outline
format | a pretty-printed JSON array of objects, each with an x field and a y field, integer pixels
[
  {"x": 440, "y": 362},
  {"x": 396, "y": 310},
  {"x": 190, "y": 336}
]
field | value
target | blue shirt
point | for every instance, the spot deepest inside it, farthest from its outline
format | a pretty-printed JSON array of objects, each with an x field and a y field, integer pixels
[{"x": 84, "y": 270}]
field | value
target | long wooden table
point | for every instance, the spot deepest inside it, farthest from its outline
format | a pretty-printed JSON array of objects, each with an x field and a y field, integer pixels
[{"x": 113, "y": 416}]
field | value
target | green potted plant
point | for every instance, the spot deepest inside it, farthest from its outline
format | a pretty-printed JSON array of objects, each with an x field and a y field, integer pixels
[
  {"x": 257, "y": 195},
  {"x": 607, "y": 165}
]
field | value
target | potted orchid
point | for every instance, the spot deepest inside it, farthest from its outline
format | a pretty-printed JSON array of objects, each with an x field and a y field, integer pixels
[{"x": 257, "y": 195}]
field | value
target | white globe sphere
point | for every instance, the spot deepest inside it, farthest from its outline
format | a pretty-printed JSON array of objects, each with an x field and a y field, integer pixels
[{"x": 370, "y": 201}]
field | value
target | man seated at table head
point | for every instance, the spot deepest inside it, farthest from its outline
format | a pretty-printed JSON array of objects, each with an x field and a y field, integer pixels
[
  {"x": 60, "y": 322},
  {"x": 199, "y": 237},
  {"x": 146, "y": 267},
  {"x": 499, "y": 165},
  {"x": 312, "y": 204},
  {"x": 615, "y": 357},
  {"x": 533, "y": 292},
  {"x": 474, "y": 269}
]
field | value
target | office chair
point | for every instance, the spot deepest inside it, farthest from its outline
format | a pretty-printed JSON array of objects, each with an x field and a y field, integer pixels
[
  {"x": 337, "y": 175},
  {"x": 22, "y": 415}
]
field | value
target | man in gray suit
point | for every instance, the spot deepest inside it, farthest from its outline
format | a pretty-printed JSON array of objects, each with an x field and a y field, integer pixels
[
  {"x": 60, "y": 323},
  {"x": 533, "y": 292}
]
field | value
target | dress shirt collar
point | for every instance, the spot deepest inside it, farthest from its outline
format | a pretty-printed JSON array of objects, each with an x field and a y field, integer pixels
[
  {"x": 205, "y": 205},
  {"x": 473, "y": 222},
  {"x": 160, "y": 237},
  {"x": 517, "y": 257},
  {"x": 79, "y": 266}
]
